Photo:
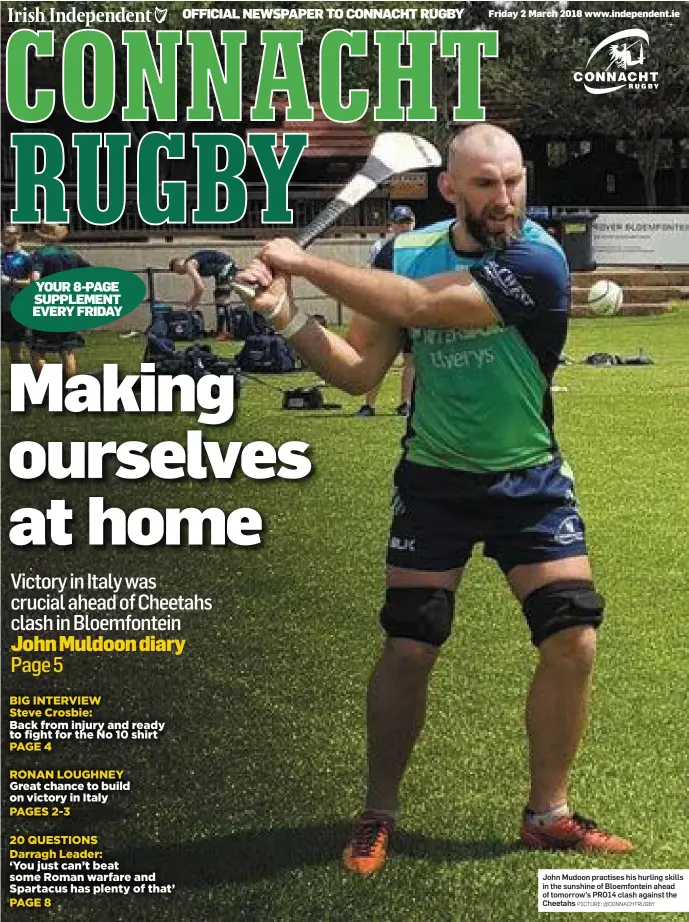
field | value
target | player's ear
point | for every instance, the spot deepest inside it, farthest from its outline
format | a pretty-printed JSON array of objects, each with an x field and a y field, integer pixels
[{"x": 447, "y": 187}]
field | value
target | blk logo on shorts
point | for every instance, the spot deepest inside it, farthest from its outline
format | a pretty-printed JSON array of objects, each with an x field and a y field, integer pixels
[
  {"x": 569, "y": 531},
  {"x": 398, "y": 507},
  {"x": 402, "y": 544}
]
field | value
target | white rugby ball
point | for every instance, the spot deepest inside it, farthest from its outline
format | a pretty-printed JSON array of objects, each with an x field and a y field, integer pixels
[{"x": 605, "y": 298}]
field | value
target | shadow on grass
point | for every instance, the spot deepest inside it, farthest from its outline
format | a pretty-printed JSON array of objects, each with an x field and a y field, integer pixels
[{"x": 256, "y": 855}]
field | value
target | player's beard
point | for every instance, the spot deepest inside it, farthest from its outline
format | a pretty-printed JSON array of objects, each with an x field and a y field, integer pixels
[{"x": 479, "y": 229}]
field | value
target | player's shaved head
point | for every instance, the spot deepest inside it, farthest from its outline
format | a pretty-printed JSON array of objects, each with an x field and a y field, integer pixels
[
  {"x": 485, "y": 180},
  {"x": 481, "y": 141}
]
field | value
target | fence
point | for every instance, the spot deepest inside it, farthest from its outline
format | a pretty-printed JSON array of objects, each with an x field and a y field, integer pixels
[
  {"x": 305, "y": 200},
  {"x": 312, "y": 302},
  {"x": 150, "y": 261}
]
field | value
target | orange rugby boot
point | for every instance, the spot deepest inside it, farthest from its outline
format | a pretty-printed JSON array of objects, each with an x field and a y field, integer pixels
[
  {"x": 367, "y": 850},
  {"x": 572, "y": 832}
]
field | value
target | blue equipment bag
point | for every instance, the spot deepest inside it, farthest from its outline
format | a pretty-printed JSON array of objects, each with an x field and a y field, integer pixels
[
  {"x": 181, "y": 324},
  {"x": 267, "y": 353},
  {"x": 245, "y": 323},
  {"x": 196, "y": 360}
]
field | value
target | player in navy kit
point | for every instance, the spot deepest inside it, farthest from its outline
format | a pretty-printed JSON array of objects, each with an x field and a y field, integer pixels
[
  {"x": 402, "y": 220},
  {"x": 486, "y": 298},
  {"x": 209, "y": 264},
  {"x": 49, "y": 259},
  {"x": 16, "y": 274}
]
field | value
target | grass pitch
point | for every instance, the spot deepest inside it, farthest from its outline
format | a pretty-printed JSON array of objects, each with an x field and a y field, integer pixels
[{"x": 246, "y": 799}]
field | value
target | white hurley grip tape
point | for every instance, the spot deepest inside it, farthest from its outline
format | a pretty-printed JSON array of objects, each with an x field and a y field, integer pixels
[
  {"x": 297, "y": 323},
  {"x": 246, "y": 292},
  {"x": 276, "y": 310}
]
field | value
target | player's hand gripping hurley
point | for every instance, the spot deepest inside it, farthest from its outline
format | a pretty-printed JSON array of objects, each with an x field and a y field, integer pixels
[{"x": 392, "y": 153}]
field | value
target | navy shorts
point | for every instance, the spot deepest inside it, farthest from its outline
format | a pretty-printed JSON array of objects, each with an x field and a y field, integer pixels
[
  {"x": 521, "y": 517},
  {"x": 223, "y": 295},
  {"x": 12, "y": 331},
  {"x": 41, "y": 341}
]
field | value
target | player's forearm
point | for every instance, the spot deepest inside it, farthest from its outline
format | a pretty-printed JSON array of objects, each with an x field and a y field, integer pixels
[
  {"x": 371, "y": 292},
  {"x": 332, "y": 357},
  {"x": 354, "y": 365},
  {"x": 449, "y": 300}
]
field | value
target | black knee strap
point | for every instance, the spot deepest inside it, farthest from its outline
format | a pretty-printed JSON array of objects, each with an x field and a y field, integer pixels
[
  {"x": 562, "y": 604},
  {"x": 418, "y": 613}
]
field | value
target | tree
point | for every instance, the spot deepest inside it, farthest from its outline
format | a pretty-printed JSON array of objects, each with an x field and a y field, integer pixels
[{"x": 535, "y": 74}]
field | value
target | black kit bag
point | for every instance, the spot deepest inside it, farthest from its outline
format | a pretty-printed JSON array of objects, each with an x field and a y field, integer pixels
[
  {"x": 184, "y": 324},
  {"x": 607, "y": 358},
  {"x": 601, "y": 358},
  {"x": 267, "y": 353},
  {"x": 200, "y": 361},
  {"x": 245, "y": 323},
  {"x": 303, "y": 398},
  {"x": 196, "y": 361}
]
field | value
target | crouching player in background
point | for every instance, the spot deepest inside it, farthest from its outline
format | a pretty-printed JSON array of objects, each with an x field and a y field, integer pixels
[{"x": 209, "y": 264}]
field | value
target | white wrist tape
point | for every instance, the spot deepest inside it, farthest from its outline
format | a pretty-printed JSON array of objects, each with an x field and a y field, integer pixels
[
  {"x": 276, "y": 310},
  {"x": 296, "y": 324}
]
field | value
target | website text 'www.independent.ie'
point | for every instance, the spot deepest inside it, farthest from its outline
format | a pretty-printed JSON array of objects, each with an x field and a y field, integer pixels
[
  {"x": 566, "y": 13},
  {"x": 631, "y": 14}
]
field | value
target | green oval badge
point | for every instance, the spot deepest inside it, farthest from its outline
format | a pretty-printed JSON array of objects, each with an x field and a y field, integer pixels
[{"x": 78, "y": 299}]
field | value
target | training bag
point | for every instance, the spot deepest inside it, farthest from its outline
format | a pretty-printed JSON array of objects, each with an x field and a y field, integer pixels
[
  {"x": 267, "y": 353},
  {"x": 306, "y": 398},
  {"x": 601, "y": 358},
  {"x": 185, "y": 325},
  {"x": 197, "y": 362},
  {"x": 303, "y": 398},
  {"x": 180, "y": 324},
  {"x": 609, "y": 358},
  {"x": 245, "y": 323}
]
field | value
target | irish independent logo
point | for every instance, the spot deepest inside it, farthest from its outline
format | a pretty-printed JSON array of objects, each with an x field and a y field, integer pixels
[{"x": 619, "y": 61}]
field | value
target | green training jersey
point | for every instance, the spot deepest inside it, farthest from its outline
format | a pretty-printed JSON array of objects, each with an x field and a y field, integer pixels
[{"x": 482, "y": 397}]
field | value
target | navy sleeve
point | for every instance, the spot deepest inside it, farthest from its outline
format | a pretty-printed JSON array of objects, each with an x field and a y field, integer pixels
[
  {"x": 383, "y": 258},
  {"x": 524, "y": 282},
  {"x": 529, "y": 286}
]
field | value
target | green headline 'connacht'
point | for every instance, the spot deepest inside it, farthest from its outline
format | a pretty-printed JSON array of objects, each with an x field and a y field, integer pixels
[{"x": 215, "y": 89}]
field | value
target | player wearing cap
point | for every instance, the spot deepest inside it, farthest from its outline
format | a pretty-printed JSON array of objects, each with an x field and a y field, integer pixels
[{"x": 402, "y": 220}]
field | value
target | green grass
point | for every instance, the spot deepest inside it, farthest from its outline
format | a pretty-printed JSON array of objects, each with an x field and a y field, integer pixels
[{"x": 246, "y": 799}]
